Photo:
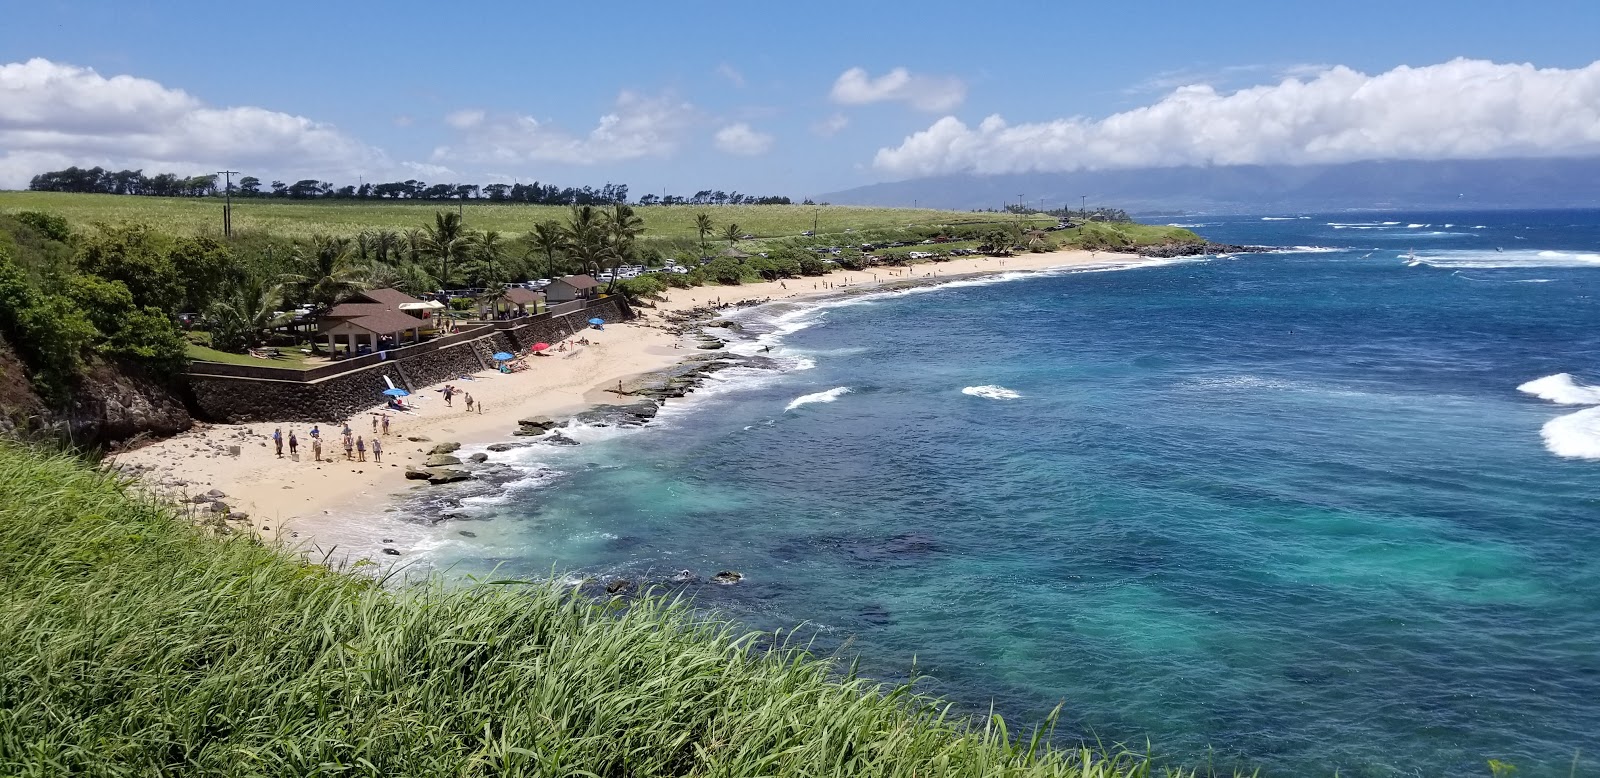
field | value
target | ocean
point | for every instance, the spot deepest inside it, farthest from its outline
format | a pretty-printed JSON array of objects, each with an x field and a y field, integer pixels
[{"x": 1335, "y": 508}]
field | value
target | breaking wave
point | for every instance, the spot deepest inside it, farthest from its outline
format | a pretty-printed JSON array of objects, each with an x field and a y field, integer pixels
[
  {"x": 991, "y": 392},
  {"x": 818, "y": 397}
]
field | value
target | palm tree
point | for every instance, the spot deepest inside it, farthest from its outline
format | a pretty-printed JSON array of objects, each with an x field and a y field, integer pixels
[
  {"x": 731, "y": 234},
  {"x": 248, "y": 307},
  {"x": 414, "y": 279},
  {"x": 363, "y": 246},
  {"x": 415, "y": 244},
  {"x": 446, "y": 242},
  {"x": 548, "y": 238},
  {"x": 702, "y": 225},
  {"x": 586, "y": 238},
  {"x": 386, "y": 246},
  {"x": 324, "y": 272},
  {"x": 622, "y": 228},
  {"x": 487, "y": 248}
]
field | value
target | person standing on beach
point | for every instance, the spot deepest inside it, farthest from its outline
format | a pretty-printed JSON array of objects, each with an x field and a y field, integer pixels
[
  {"x": 347, "y": 428},
  {"x": 447, "y": 395},
  {"x": 277, "y": 441},
  {"x": 385, "y": 424},
  {"x": 316, "y": 448},
  {"x": 349, "y": 448},
  {"x": 468, "y": 397},
  {"x": 316, "y": 434},
  {"x": 374, "y": 423},
  {"x": 377, "y": 451},
  {"x": 361, "y": 449},
  {"x": 294, "y": 446}
]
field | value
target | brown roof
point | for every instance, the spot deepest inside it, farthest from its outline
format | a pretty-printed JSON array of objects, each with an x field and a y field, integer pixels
[
  {"x": 352, "y": 310},
  {"x": 735, "y": 253},
  {"x": 389, "y": 297},
  {"x": 382, "y": 323},
  {"x": 579, "y": 282},
  {"x": 516, "y": 295}
]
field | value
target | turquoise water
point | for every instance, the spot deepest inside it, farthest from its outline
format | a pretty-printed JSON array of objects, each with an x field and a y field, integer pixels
[{"x": 1287, "y": 511}]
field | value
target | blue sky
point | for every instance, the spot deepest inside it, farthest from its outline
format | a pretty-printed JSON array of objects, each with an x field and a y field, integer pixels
[{"x": 756, "y": 97}]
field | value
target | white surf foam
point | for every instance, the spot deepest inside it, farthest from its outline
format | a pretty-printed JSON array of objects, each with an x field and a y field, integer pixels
[
  {"x": 1306, "y": 250},
  {"x": 991, "y": 392},
  {"x": 1562, "y": 389},
  {"x": 818, "y": 397},
  {"x": 1520, "y": 258},
  {"x": 1575, "y": 435},
  {"x": 1417, "y": 226},
  {"x": 1280, "y": 218}
]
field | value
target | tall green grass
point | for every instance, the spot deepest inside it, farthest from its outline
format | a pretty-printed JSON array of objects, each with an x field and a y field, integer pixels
[
  {"x": 301, "y": 219},
  {"x": 131, "y": 643}
]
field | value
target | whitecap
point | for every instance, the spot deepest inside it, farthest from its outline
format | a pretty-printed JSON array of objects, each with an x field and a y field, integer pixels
[
  {"x": 1415, "y": 226},
  {"x": 991, "y": 392},
  {"x": 1482, "y": 259},
  {"x": 1562, "y": 389},
  {"x": 1575, "y": 435},
  {"x": 818, "y": 397},
  {"x": 1279, "y": 218}
]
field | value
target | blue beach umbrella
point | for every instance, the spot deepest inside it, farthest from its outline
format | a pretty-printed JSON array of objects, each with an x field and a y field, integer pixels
[
  {"x": 597, "y": 321},
  {"x": 501, "y": 356},
  {"x": 397, "y": 392}
]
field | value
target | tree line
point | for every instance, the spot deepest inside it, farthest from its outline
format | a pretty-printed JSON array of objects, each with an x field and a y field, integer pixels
[{"x": 97, "y": 180}]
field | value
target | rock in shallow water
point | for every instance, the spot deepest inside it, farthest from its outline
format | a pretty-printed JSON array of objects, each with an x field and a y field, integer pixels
[{"x": 728, "y": 577}]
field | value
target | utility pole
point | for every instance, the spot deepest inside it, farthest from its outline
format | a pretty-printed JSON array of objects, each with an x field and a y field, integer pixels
[
  {"x": 227, "y": 201},
  {"x": 1022, "y": 205},
  {"x": 816, "y": 214},
  {"x": 1085, "y": 204}
]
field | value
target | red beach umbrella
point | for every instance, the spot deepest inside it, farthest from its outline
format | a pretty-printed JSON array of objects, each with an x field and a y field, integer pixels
[{"x": 540, "y": 346}]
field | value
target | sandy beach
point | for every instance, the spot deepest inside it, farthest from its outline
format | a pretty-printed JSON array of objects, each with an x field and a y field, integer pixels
[{"x": 297, "y": 501}]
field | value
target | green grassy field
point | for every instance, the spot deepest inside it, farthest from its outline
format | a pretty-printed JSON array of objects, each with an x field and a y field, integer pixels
[
  {"x": 132, "y": 643},
  {"x": 295, "y": 219}
]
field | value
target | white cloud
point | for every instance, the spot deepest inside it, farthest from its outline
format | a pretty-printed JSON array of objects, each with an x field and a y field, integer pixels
[
  {"x": 638, "y": 126},
  {"x": 1458, "y": 109},
  {"x": 732, "y": 74},
  {"x": 830, "y": 126},
  {"x": 741, "y": 140},
  {"x": 465, "y": 119},
  {"x": 922, "y": 92},
  {"x": 53, "y": 115}
]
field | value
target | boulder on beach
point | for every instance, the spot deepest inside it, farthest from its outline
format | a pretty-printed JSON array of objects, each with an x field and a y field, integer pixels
[
  {"x": 479, "y": 457},
  {"x": 536, "y": 422},
  {"x": 417, "y": 474},
  {"x": 420, "y": 439},
  {"x": 442, "y": 460},
  {"x": 445, "y": 448},
  {"x": 215, "y": 494},
  {"x": 447, "y": 475}
]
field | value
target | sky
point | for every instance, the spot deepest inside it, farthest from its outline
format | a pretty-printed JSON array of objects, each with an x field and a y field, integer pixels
[{"x": 796, "y": 99}]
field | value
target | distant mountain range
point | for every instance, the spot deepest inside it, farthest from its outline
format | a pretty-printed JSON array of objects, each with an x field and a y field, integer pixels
[{"x": 1497, "y": 183}]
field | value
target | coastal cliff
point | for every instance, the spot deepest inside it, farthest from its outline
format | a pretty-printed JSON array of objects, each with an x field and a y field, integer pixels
[{"x": 111, "y": 403}]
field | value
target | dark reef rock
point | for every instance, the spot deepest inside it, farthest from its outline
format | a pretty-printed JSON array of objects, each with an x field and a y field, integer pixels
[
  {"x": 728, "y": 577},
  {"x": 1170, "y": 250}
]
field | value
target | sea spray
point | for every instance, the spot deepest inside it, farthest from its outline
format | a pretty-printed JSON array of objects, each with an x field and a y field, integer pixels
[
  {"x": 818, "y": 397},
  {"x": 991, "y": 392},
  {"x": 1562, "y": 389}
]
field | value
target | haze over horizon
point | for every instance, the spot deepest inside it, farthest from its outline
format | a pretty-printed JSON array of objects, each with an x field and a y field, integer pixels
[{"x": 779, "y": 101}]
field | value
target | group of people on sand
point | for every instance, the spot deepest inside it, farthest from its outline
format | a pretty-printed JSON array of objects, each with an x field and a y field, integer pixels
[
  {"x": 355, "y": 446},
  {"x": 450, "y": 391}
]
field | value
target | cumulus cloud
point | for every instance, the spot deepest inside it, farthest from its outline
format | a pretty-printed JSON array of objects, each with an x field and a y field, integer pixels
[
  {"x": 830, "y": 126},
  {"x": 922, "y": 92},
  {"x": 465, "y": 119},
  {"x": 638, "y": 126},
  {"x": 53, "y": 115},
  {"x": 1460, "y": 109},
  {"x": 741, "y": 140}
]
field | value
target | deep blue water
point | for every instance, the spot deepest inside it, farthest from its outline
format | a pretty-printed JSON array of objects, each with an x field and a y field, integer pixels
[{"x": 1288, "y": 511}]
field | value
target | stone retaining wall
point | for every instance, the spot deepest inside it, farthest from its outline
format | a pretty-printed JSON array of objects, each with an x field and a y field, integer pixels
[{"x": 235, "y": 399}]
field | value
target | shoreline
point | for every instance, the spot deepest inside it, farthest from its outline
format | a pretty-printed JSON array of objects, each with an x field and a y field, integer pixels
[{"x": 322, "y": 505}]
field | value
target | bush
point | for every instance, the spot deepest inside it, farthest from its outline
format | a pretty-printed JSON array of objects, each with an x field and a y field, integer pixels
[
  {"x": 49, "y": 332},
  {"x": 48, "y": 224},
  {"x": 643, "y": 287},
  {"x": 724, "y": 270}
]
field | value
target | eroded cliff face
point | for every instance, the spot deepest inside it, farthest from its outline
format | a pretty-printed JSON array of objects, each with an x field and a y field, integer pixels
[{"x": 110, "y": 405}]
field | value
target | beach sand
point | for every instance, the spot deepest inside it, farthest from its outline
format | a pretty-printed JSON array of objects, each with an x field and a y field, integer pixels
[{"x": 301, "y": 501}]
